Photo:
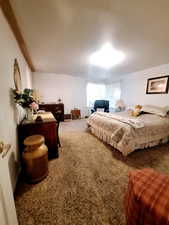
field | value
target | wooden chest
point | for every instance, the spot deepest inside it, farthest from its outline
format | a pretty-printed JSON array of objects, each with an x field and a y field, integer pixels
[{"x": 76, "y": 114}]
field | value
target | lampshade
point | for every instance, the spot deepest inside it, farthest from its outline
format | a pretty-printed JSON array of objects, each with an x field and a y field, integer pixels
[{"x": 120, "y": 103}]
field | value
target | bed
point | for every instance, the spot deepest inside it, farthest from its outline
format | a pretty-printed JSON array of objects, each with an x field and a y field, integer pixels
[{"x": 127, "y": 133}]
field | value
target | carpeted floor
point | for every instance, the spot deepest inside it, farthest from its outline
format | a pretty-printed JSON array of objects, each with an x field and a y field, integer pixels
[{"x": 86, "y": 185}]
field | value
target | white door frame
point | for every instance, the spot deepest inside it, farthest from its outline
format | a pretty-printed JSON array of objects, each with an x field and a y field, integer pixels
[{"x": 7, "y": 205}]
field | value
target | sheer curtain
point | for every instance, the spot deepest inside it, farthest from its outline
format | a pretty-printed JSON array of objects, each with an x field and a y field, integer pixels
[{"x": 111, "y": 92}]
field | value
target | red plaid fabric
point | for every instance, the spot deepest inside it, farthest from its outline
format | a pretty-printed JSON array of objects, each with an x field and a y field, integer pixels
[{"x": 147, "y": 198}]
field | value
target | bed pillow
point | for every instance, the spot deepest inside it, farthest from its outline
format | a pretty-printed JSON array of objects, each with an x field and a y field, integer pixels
[
  {"x": 100, "y": 110},
  {"x": 161, "y": 111},
  {"x": 167, "y": 108}
]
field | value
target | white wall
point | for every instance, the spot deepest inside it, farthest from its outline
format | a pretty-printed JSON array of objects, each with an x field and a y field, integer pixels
[
  {"x": 9, "y": 50},
  {"x": 134, "y": 85},
  {"x": 72, "y": 90}
]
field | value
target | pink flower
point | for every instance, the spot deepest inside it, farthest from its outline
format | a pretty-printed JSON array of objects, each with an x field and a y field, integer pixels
[{"x": 34, "y": 106}]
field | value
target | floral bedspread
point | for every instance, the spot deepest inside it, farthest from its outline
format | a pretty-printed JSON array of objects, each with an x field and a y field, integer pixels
[{"x": 127, "y": 133}]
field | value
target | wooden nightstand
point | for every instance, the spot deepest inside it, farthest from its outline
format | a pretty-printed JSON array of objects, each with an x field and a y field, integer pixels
[
  {"x": 47, "y": 128},
  {"x": 76, "y": 114}
]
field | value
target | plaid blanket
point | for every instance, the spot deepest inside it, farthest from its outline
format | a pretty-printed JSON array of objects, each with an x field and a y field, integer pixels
[{"x": 147, "y": 199}]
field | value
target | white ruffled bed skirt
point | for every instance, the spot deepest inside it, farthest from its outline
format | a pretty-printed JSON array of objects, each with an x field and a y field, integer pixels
[{"x": 137, "y": 144}]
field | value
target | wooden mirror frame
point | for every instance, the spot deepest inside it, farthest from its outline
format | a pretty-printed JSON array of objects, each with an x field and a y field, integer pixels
[{"x": 17, "y": 76}]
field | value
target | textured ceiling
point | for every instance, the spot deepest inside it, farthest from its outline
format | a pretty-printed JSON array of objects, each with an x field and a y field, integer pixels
[{"x": 61, "y": 34}]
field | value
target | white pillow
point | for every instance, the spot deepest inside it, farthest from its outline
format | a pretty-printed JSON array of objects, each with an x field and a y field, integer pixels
[
  {"x": 100, "y": 110},
  {"x": 130, "y": 107},
  {"x": 161, "y": 111},
  {"x": 167, "y": 108}
]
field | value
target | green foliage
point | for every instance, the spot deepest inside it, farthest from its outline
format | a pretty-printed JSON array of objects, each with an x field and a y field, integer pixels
[{"x": 24, "y": 98}]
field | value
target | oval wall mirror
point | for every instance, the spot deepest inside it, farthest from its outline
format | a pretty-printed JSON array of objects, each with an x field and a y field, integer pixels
[{"x": 17, "y": 76}]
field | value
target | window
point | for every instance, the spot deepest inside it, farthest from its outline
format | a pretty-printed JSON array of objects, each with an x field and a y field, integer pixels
[
  {"x": 95, "y": 92},
  {"x": 109, "y": 92}
]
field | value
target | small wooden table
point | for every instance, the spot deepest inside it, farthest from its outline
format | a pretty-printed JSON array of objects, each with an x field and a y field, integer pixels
[
  {"x": 76, "y": 114},
  {"x": 47, "y": 128}
]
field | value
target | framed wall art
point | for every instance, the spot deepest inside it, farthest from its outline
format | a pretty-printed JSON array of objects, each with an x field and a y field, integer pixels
[{"x": 158, "y": 85}]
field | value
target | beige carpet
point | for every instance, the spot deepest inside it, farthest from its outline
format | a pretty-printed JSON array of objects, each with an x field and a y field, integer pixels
[{"x": 86, "y": 185}]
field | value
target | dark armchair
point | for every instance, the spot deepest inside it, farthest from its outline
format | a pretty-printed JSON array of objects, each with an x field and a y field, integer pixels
[{"x": 102, "y": 104}]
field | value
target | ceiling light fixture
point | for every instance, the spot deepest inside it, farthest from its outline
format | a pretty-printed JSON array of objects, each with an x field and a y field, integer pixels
[{"x": 106, "y": 57}]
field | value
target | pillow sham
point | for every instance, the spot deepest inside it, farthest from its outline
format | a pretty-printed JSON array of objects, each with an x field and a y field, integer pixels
[
  {"x": 100, "y": 110},
  {"x": 167, "y": 108},
  {"x": 161, "y": 111}
]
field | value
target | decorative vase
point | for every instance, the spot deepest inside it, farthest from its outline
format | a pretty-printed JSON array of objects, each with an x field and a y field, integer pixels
[
  {"x": 29, "y": 114},
  {"x": 59, "y": 100}
]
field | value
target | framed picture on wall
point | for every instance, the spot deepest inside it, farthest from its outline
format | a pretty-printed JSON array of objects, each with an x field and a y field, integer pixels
[{"x": 158, "y": 85}]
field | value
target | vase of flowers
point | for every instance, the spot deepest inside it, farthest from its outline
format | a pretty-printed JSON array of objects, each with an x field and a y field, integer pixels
[{"x": 26, "y": 100}]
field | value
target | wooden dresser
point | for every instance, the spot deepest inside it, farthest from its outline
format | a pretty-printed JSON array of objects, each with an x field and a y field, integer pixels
[
  {"x": 56, "y": 109},
  {"x": 47, "y": 128}
]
